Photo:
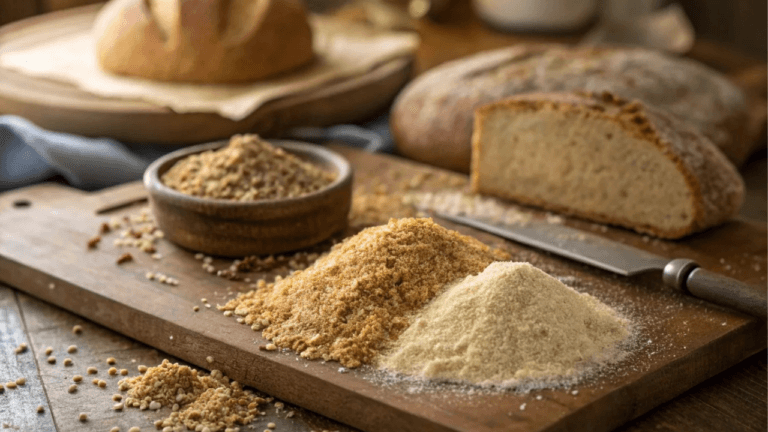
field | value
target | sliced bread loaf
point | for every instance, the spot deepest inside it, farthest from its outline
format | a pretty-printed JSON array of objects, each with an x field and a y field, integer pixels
[
  {"x": 432, "y": 117},
  {"x": 604, "y": 159}
]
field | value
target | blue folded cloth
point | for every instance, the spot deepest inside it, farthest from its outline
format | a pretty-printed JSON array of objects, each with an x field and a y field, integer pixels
[{"x": 29, "y": 154}]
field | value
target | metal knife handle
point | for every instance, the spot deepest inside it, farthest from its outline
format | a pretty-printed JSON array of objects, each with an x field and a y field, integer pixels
[{"x": 687, "y": 275}]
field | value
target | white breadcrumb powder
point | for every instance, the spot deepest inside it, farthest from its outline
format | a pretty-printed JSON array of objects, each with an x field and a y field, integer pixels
[{"x": 510, "y": 323}]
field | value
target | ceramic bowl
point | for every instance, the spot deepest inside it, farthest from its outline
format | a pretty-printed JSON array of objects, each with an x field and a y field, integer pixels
[{"x": 235, "y": 229}]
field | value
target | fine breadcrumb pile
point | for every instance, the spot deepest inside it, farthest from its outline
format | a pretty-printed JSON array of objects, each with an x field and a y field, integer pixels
[
  {"x": 248, "y": 169},
  {"x": 354, "y": 300},
  {"x": 509, "y": 323},
  {"x": 198, "y": 402}
]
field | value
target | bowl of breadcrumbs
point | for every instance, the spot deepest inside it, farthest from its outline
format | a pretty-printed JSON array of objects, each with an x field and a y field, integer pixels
[{"x": 247, "y": 196}]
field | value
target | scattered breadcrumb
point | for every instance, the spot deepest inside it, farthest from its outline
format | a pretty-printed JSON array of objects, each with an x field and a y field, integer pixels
[
  {"x": 111, "y": 360},
  {"x": 21, "y": 381},
  {"x": 67, "y": 361},
  {"x": 11, "y": 385},
  {"x": 72, "y": 388},
  {"x": 93, "y": 242},
  {"x": 48, "y": 351},
  {"x": 72, "y": 349},
  {"x": 92, "y": 370},
  {"x": 21, "y": 348},
  {"x": 40, "y": 409},
  {"x": 82, "y": 417},
  {"x": 77, "y": 329},
  {"x": 199, "y": 401},
  {"x": 77, "y": 378},
  {"x": 51, "y": 359},
  {"x": 124, "y": 258}
]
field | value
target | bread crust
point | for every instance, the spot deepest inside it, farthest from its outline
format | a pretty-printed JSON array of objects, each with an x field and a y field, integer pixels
[
  {"x": 203, "y": 41},
  {"x": 431, "y": 119},
  {"x": 716, "y": 188}
]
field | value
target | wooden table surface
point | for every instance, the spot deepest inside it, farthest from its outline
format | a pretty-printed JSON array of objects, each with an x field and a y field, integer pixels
[{"x": 735, "y": 400}]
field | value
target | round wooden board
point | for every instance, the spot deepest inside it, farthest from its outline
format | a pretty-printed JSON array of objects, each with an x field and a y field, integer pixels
[{"x": 62, "y": 107}]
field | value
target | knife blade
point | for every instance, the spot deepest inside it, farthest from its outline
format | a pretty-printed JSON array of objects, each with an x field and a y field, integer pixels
[{"x": 626, "y": 260}]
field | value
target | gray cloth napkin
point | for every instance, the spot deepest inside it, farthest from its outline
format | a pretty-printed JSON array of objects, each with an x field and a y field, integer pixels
[{"x": 29, "y": 154}]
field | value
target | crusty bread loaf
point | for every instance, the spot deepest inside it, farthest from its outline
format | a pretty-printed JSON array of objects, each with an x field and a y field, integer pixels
[
  {"x": 603, "y": 159},
  {"x": 203, "y": 41},
  {"x": 432, "y": 118}
]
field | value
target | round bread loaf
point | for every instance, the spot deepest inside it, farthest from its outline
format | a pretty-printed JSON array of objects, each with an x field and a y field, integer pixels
[
  {"x": 432, "y": 118},
  {"x": 203, "y": 41}
]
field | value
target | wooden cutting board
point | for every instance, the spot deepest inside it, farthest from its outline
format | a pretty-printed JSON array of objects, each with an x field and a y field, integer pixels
[
  {"x": 681, "y": 341},
  {"x": 64, "y": 108}
]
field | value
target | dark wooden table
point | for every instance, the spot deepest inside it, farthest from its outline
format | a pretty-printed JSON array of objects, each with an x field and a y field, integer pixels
[{"x": 735, "y": 400}]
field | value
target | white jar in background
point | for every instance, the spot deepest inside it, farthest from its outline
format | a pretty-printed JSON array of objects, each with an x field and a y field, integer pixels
[{"x": 537, "y": 15}]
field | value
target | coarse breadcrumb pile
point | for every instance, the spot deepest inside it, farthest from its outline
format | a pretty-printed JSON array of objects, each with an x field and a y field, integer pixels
[
  {"x": 354, "y": 300},
  {"x": 198, "y": 402},
  {"x": 248, "y": 169}
]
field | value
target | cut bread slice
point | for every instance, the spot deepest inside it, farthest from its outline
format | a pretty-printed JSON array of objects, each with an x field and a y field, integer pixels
[{"x": 603, "y": 159}]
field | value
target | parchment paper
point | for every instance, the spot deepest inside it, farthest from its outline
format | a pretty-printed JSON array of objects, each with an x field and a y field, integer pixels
[{"x": 343, "y": 50}]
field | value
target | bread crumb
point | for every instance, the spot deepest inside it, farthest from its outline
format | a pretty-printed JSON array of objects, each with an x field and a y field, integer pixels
[
  {"x": 198, "y": 401},
  {"x": 93, "y": 242},
  {"x": 124, "y": 258},
  {"x": 379, "y": 277},
  {"x": 77, "y": 329},
  {"x": 247, "y": 169}
]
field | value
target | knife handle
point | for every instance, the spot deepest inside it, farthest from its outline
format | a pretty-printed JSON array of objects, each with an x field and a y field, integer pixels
[{"x": 688, "y": 276}]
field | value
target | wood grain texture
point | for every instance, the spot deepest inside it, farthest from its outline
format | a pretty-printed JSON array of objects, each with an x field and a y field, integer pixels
[
  {"x": 688, "y": 340},
  {"x": 18, "y": 407},
  {"x": 62, "y": 107},
  {"x": 736, "y": 398},
  {"x": 50, "y": 326}
]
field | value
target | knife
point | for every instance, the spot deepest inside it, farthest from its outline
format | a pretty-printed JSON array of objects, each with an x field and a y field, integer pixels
[{"x": 626, "y": 260}]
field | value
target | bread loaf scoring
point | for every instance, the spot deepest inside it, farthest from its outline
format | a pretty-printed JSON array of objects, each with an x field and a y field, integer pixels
[
  {"x": 603, "y": 159},
  {"x": 432, "y": 118},
  {"x": 203, "y": 41}
]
